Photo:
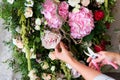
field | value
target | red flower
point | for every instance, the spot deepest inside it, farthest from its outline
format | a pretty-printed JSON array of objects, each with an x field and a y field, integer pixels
[
  {"x": 98, "y": 15},
  {"x": 107, "y": 25},
  {"x": 99, "y": 48}
]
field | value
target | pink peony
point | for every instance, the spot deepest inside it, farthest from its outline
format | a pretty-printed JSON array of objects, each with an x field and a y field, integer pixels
[
  {"x": 81, "y": 23},
  {"x": 50, "y": 39},
  {"x": 50, "y": 13},
  {"x": 63, "y": 10}
]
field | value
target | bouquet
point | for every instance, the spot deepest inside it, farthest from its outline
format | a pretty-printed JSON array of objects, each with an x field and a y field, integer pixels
[{"x": 37, "y": 27}]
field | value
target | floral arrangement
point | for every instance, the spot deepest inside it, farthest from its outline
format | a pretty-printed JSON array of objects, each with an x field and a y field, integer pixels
[{"x": 37, "y": 27}]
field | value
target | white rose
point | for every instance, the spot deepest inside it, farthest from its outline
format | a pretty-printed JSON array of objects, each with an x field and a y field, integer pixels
[
  {"x": 52, "y": 68},
  {"x": 51, "y": 56},
  {"x": 28, "y": 12},
  {"x": 37, "y": 27},
  {"x": 73, "y": 3},
  {"x": 50, "y": 40},
  {"x": 85, "y": 2},
  {"x": 29, "y": 3},
  {"x": 100, "y": 1},
  {"x": 10, "y": 1},
  {"x": 18, "y": 43},
  {"x": 38, "y": 21}
]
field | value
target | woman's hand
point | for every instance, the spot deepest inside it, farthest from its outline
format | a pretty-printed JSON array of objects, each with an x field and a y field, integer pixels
[
  {"x": 104, "y": 58},
  {"x": 62, "y": 53}
]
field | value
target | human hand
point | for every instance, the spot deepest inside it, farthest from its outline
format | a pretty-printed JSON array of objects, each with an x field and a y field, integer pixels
[
  {"x": 104, "y": 58},
  {"x": 62, "y": 53}
]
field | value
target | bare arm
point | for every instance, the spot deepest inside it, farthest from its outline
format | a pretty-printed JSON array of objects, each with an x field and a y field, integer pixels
[{"x": 63, "y": 54}]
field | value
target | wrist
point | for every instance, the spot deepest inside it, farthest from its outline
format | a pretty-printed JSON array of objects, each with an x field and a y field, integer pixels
[
  {"x": 118, "y": 59},
  {"x": 72, "y": 61}
]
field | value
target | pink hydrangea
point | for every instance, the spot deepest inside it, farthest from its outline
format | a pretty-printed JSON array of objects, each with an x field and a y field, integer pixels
[
  {"x": 50, "y": 13},
  {"x": 81, "y": 23},
  {"x": 63, "y": 10}
]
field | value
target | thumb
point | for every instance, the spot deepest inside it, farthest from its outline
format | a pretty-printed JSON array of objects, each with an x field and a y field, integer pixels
[
  {"x": 62, "y": 46},
  {"x": 99, "y": 59}
]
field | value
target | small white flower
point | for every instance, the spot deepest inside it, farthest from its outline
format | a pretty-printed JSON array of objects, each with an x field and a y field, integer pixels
[
  {"x": 85, "y": 2},
  {"x": 51, "y": 56},
  {"x": 45, "y": 65},
  {"x": 10, "y": 1},
  {"x": 52, "y": 68},
  {"x": 23, "y": 49},
  {"x": 29, "y": 3},
  {"x": 73, "y": 3},
  {"x": 46, "y": 76},
  {"x": 18, "y": 29},
  {"x": 77, "y": 6},
  {"x": 38, "y": 21},
  {"x": 100, "y": 1},
  {"x": 37, "y": 27},
  {"x": 18, "y": 43},
  {"x": 28, "y": 12},
  {"x": 32, "y": 54},
  {"x": 59, "y": 79},
  {"x": 75, "y": 10},
  {"x": 33, "y": 76},
  {"x": 45, "y": 23},
  {"x": 75, "y": 73},
  {"x": 69, "y": 66}
]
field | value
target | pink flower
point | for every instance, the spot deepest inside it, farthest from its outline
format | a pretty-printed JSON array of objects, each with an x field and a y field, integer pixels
[
  {"x": 81, "y": 23},
  {"x": 50, "y": 13},
  {"x": 63, "y": 10},
  {"x": 50, "y": 39}
]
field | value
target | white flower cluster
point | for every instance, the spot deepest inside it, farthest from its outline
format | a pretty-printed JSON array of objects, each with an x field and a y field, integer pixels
[
  {"x": 10, "y": 1},
  {"x": 28, "y": 10},
  {"x": 75, "y": 4}
]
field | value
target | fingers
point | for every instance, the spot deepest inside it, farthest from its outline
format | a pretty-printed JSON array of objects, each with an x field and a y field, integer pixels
[
  {"x": 57, "y": 49},
  {"x": 62, "y": 46},
  {"x": 89, "y": 59}
]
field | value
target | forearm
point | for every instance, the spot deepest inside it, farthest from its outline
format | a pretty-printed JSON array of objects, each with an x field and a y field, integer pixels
[
  {"x": 118, "y": 59},
  {"x": 84, "y": 70}
]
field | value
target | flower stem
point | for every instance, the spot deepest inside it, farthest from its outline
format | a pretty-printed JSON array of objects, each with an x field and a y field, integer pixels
[
  {"x": 106, "y": 4},
  {"x": 25, "y": 40}
]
